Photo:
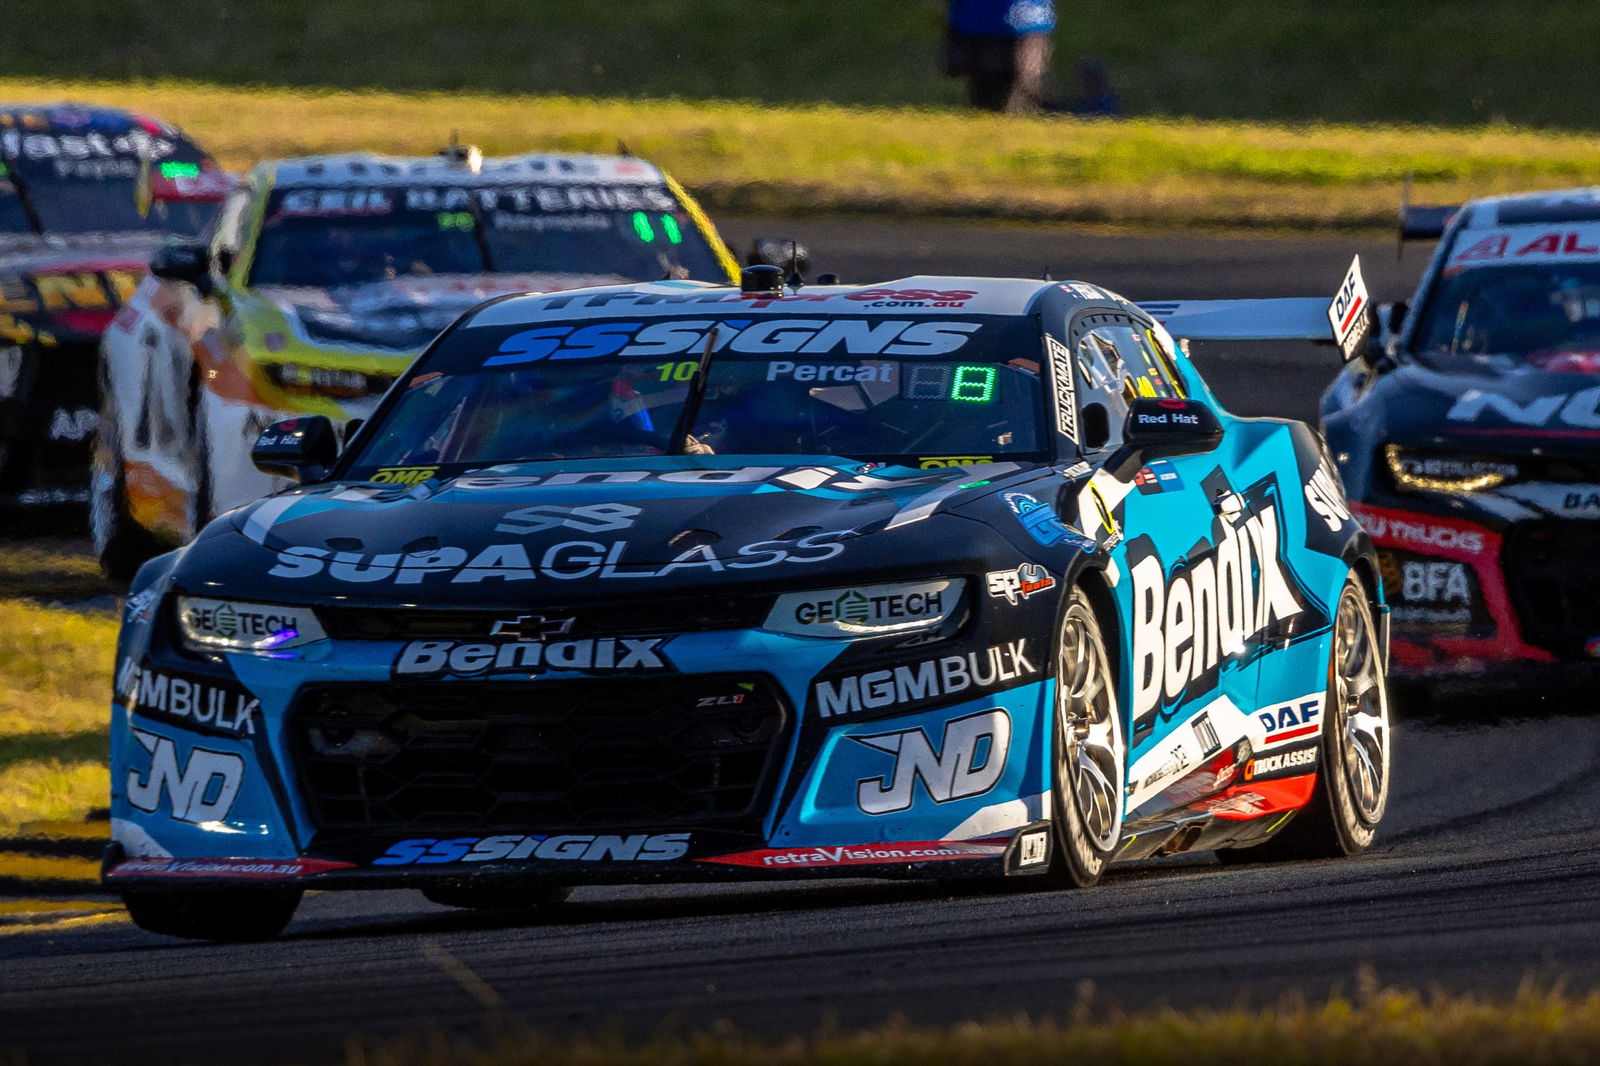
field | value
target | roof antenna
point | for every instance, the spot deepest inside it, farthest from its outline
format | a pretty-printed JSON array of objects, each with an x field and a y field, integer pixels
[
  {"x": 1047, "y": 276},
  {"x": 622, "y": 148},
  {"x": 794, "y": 279}
]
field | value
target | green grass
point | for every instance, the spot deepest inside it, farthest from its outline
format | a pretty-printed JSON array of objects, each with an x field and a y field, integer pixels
[
  {"x": 1375, "y": 1027},
  {"x": 55, "y": 703},
  {"x": 820, "y": 159},
  {"x": 1456, "y": 62}
]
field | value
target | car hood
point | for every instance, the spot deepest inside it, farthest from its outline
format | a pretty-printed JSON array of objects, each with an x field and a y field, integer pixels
[
  {"x": 401, "y": 314},
  {"x": 68, "y": 288},
  {"x": 541, "y": 530},
  {"x": 1492, "y": 407}
]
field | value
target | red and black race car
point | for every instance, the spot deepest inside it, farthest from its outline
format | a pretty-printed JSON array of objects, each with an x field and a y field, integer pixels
[
  {"x": 1467, "y": 440},
  {"x": 87, "y": 194}
]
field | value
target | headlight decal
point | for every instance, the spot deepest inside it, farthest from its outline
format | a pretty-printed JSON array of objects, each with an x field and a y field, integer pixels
[
  {"x": 234, "y": 625},
  {"x": 859, "y": 611}
]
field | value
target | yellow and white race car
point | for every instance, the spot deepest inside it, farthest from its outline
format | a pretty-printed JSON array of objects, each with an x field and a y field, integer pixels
[{"x": 321, "y": 280}]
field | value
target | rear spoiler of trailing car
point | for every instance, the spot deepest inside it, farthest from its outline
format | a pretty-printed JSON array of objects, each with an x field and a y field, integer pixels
[
  {"x": 1422, "y": 222},
  {"x": 1347, "y": 321}
]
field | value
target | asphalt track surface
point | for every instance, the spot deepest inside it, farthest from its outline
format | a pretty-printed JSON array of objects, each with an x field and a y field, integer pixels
[{"x": 1484, "y": 873}]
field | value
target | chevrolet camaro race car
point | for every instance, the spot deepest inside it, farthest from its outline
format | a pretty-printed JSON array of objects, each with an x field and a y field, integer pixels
[
  {"x": 321, "y": 281},
  {"x": 86, "y": 195},
  {"x": 944, "y": 577},
  {"x": 1467, "y": 441}
]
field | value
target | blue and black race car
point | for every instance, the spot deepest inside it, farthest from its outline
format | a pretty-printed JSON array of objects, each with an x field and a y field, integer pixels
[{"x": 944, "y": 577}]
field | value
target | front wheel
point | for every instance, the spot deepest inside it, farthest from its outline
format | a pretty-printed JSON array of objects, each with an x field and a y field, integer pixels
[
  {"x": 1090, "y": 753},
  {"x": 225, "y": 915},
  {"x": 1352, "y": 788}
]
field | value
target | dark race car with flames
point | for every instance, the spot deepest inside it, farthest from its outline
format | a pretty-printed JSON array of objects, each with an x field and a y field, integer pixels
[
  {"x": 945, "y": 577},
  {"x": 86, "y": 195}
]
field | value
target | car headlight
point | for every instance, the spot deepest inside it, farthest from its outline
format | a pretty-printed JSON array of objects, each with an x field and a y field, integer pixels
[
  {"x": 1436, "y": 472},
  {"x": 233, "y": 625},
  {"x": 858, "y": 611}
]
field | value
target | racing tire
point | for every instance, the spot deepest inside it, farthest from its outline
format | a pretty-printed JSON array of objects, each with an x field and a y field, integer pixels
[
  {"x": 122, "y": 544},
  {"x": 223, "y": 915},
  {"x": 1352, "y": 787},
  {"x": 497, "y": 897},
  {"x": 1089, "y": 760}
]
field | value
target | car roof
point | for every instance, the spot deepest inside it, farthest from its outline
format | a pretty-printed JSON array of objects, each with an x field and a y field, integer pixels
[
  {"x": 1533, "y": 208},
  {"x": 920, "y": 294},
  {"x": 367, "y": 169},
  {"x": 70, "y": 117}
]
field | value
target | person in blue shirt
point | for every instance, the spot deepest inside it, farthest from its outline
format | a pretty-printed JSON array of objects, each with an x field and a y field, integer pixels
[{"x": 1002, "y": 48}]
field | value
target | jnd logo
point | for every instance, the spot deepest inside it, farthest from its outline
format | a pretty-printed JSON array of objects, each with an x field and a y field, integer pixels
[
  {"x": 202, "y": 791},
  {"x": 968, "y": 762}
]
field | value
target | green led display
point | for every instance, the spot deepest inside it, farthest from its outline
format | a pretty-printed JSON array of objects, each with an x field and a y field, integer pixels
[
  {"x": 974, "y": 384},
  {"x": 180, "y": 170},
  {"x": 461, "y": 220},
  {"x": 641, "y": 226},
  {"x": 669, "y": 226}
]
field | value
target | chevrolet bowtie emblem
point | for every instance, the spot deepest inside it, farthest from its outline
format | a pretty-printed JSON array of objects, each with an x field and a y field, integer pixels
[{"x": 532, "y": 627}]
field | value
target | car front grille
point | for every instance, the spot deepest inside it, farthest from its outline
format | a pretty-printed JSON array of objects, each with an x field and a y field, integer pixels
[
  {"x": 584, "y": 754},
  {"x": 1553, "y": 575}
]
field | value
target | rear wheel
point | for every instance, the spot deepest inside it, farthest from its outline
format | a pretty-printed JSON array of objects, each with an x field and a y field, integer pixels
[
  {"x": 497, "y": 897},
  {"x": 1090, "y": 752},
  {"x": 228, "y": 915},
  {"x": 1353, "y": 772}
]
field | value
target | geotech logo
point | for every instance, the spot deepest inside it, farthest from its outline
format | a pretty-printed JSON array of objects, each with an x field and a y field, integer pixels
[
  {"x": 572, "y": 847},
  {"x": 777, "y": 336},
  {"x": 867, "y": 610},
  {"x": 929, "y": 679}
]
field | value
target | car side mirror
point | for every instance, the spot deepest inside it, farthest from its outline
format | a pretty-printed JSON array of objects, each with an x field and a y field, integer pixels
[
  {"x": 183, "y": 262},
  {"x": 1163, "y": 429},
  {"x": 301, "y": 449},
  {"x": 786, "y": 254}
]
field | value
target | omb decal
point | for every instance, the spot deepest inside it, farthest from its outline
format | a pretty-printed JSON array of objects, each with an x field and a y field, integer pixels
[
  {"x": 776, "y": 336},
  {"x": 967, "y": 762},
  {"x": 1210, "y": 604},
  {"x": 200, "y": 790},
  {"x": 571, "y": 847}
]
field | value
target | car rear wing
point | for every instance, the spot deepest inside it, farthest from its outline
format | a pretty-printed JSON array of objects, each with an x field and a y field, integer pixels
[
  {"x": 1347, "y": 321},
  {"x": 1422, "y": 222}
]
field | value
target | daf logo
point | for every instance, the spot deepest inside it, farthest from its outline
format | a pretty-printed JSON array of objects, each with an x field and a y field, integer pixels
[{"x": 532, "y": 627}]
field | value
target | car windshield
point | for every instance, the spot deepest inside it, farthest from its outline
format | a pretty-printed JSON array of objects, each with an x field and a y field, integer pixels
[
  {"x": 1545, "y": 314},
  {"x": 86, "y": 182},
  {"x": 348, "y": 235},
  {"x": 911, "y": 390}
]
